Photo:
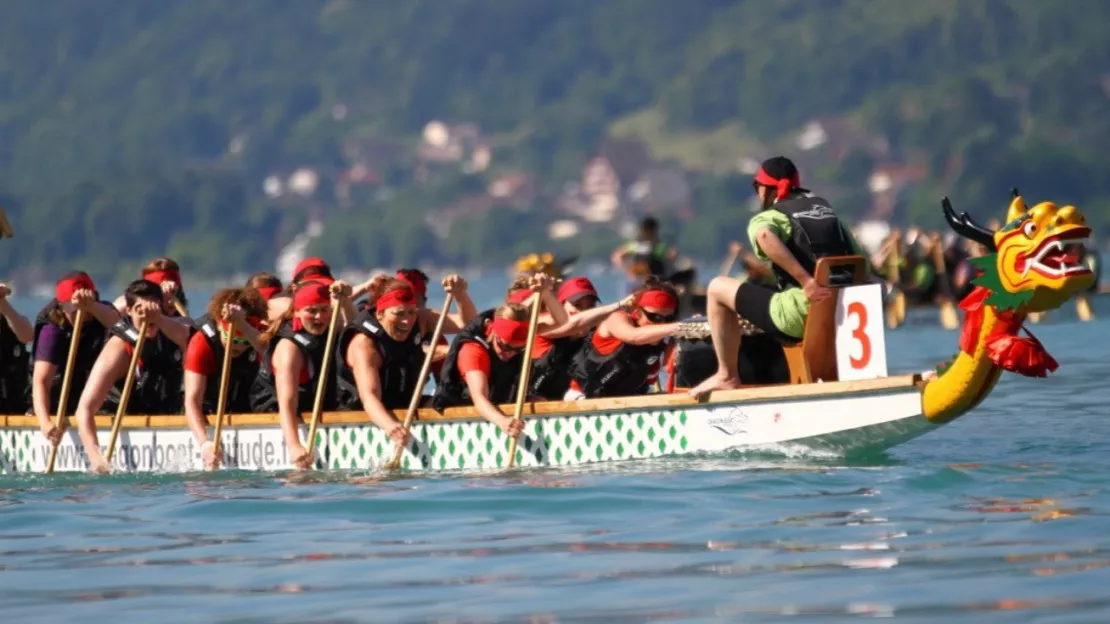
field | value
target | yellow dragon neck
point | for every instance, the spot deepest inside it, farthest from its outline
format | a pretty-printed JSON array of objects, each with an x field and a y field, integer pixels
[{"x": 967, "y": 380}]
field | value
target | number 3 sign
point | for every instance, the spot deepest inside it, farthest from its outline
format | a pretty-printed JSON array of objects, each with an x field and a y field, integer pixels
[{"x": 860, "y": 335}]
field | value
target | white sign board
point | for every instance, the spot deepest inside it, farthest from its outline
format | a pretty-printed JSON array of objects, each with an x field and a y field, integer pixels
[{"x": 860, "y": 333}]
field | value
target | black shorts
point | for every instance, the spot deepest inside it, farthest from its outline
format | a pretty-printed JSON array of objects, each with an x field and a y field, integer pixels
[{"x": 753, "y": 302}]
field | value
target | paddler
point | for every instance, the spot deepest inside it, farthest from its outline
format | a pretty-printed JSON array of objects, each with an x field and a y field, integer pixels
[
  {"x": 314, "y": 269},
  {"x": 16, "y": 333},
  {"x": 382, "y": 354},
  {"x": 234, "y": 316},
  {"x": 267, "y": 285},
  {"x": 793, "y": 230},
  {"x": 483, "y": 365},
  {"x": 645, "y": 256},
  {"x": 158, "y": 378},
  {"x": 50, "y": 347},
  {"x": 625, "y": 353},
  {"x": 555, "y": 348},
  {"x": 166, "y": 273},
  {"x": 288, "y": 377}
]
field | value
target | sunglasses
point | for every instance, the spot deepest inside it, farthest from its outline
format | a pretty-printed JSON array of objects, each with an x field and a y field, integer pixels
[
  {"x": 656, "y": 318},
  {"x": 508, "y": 348},
  {"x": 235, "y": 340}
]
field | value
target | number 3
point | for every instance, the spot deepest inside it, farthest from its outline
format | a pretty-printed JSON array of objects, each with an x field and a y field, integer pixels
[{"x": 859, "y": 334}]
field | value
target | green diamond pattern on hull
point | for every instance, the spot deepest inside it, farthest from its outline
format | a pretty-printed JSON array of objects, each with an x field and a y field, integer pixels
[
  {"x": 548, "y": 441},
  {"x": 460, "y": 445}
]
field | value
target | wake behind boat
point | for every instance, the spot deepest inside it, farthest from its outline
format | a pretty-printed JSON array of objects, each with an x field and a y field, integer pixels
[{"x": 839, "y": 396}]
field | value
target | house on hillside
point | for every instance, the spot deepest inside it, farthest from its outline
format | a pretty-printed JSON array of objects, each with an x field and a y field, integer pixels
[
  {"x": 459, "y": 143},
  {"x": 887, "y": 182}
]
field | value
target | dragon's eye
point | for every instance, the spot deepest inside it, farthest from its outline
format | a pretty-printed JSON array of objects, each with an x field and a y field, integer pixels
[{"x": 1029, "y": 229}]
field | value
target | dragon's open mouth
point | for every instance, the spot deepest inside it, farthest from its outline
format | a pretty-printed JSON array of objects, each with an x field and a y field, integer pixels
[{"x": 1057, "y": 256}]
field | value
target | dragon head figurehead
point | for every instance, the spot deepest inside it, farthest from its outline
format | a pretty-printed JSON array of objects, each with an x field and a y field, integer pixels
[{"x": 1037, "y": 260}]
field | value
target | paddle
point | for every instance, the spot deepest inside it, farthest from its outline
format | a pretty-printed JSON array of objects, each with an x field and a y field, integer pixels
[
  {"x": 896, "y": 311},
  {"x": 949, "y": 319},
  {"x": 60, "y": 420},
  {"x": 180, "y": 308},
  {"x": 6, "y": 230},
  {"x": 424, "y": 370},
  {"x": 321, "y": 385},
  {"x": 221, "y": 401},
  {"x": 128, "y": 384},
  {"x": 1083, "y": 308},
  {"x": 525, "y": 372}
]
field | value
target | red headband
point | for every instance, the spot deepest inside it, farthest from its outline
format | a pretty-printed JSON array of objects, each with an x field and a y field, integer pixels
[
  {"x": 169, "y": 275},
  {"x": 268, "y": 292},
  {"x": 311, "y": 294},
  {"x": 659, "y": 299},
  {"x": 512, "y": 333},
  {"x": 519, "y": 296},
  {"x": 574, "y": 287},
  {"x": 65, "y": 288},
  {"x": 782, "y": 187},
  {"x": 396, "y": 298},
  {"x": 322, "y": 269},
  {"x": 253, "y": 321},
  {"x": 415, "y": 281}
]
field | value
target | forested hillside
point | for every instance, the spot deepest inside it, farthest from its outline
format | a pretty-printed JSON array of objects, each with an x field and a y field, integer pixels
[{"x": 132, "y": 128}]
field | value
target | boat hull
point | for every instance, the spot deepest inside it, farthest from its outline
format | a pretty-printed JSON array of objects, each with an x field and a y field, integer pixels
[{"x": 850, "y": 417}]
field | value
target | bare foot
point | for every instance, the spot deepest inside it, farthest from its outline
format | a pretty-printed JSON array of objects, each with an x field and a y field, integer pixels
[{"x": 719, "y": 381}]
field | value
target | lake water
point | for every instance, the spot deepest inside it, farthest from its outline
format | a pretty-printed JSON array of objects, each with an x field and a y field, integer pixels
[{"x": 1000, "y": 516}]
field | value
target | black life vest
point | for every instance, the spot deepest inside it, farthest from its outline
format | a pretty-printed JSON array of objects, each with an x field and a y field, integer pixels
[
  {"x": 452, "y": 389},
  {"x": 401, "y": 362},
  {"x": 15, "y": 362},
  {"x": 240, "y": 379},
  {"x": 93, "y": 337},
  {"x": 816, "y": 232},
  {"x": 624, "y": 372},
  {"x": 159, "y": 377},
  {"x": 263, "y": 391},
  {"x": 550, "y": 375}
]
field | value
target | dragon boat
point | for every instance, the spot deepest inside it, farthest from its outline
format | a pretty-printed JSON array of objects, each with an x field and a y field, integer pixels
[{"x": 838, "y": 396}]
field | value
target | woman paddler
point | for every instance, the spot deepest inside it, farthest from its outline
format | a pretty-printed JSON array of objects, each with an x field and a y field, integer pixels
[
  {"x": 267, "y": 285},
  {"x": 382, "y": 354},
  {"x": 158, "y": 377},
  {"x": 290, "y": 369},
  {"x": 624, "y": 354},
  {"x": 426, "y": 319},
  {"x": 16, "y": 333},
  {"x": 234, "y": 315},
  {"x": 166, "y": 273},
  {"x": 555, "y": 348},
  {"x": 53, "y": 333},
  {"x": 482, "y": 367}
]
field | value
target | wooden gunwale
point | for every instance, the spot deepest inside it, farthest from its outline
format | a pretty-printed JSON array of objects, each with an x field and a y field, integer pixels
[{"x": 546, "y": 408}]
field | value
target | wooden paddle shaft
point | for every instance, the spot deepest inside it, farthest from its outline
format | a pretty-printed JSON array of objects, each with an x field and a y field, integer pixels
[
  {"x": 221, "y": 401},
  {"x": 60, "y": 420},
  {"x": 414, "y": 404},
  {"x": 128, "y": 385},
  {"x": 325, "y": 369},
  {"x": 525, "y": 371}
]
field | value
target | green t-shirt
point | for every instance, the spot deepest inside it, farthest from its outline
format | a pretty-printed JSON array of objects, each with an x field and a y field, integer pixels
[{"x": 790, "y": 307}]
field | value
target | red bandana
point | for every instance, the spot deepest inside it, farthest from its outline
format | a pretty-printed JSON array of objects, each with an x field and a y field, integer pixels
[
  {"x": 512, "y": 333},
  {"x": 169, "y": 275},
  {"x": 395, "y": 298},
  {"x": 268, "y": 292},
  {"x": 310, "y": 294},
  {"x": 415, "y": 281},
  {"x": 782, "y": 187},
  {"x": 659, "y": 299},
  {"x": 519, "y": 296},
  {"x": 64, "y": 289}
]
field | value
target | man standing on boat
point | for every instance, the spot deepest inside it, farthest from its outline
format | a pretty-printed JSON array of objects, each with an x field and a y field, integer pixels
[{"x": 793, "y": 230}]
